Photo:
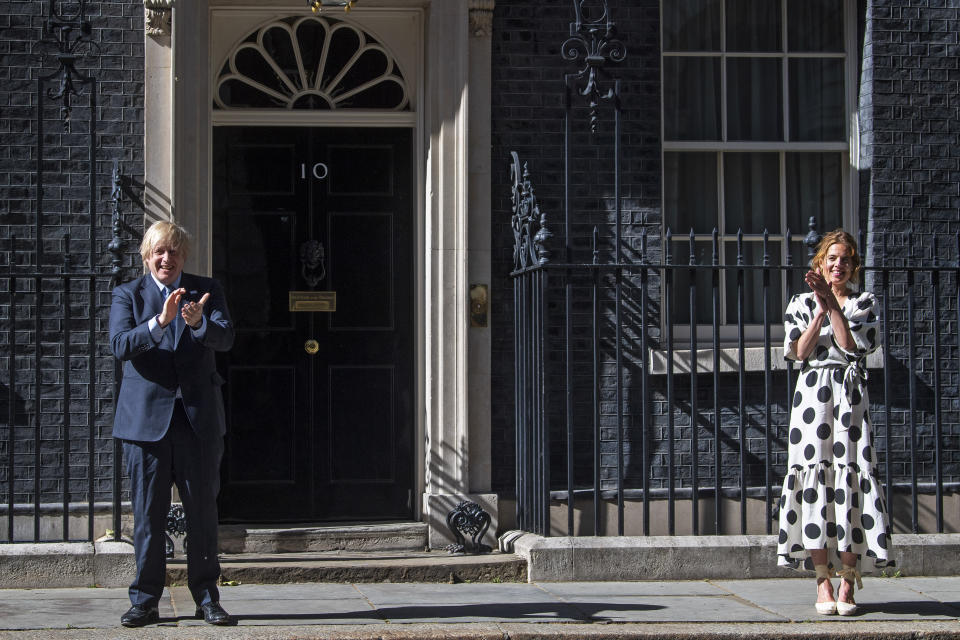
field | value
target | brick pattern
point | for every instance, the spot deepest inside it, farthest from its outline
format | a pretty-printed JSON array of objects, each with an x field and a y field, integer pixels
[
  {"x": 910, "y": 190},
  {"x": 908, "y": 185},
  {"x": 528, "y": 117},
  {"x": 116, "y": 65}
]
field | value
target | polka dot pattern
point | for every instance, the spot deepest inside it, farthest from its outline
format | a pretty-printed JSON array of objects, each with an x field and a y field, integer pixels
[{"x": 831, "y": 497}]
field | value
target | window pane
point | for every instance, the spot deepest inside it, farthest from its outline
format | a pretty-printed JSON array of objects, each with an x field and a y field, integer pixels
[
  {"x": 751, "y": 193},
  {"x": 816, "y": 99},
  {"x": 815, "y": 25},
  {"x": 691, "y": 25},
  {"x": 690, "y": 192},
  {"x": 798, "y": 253},
  {"x": 681, "y": 290},
  {"x": 691, "y": 98},
  {"x": 814, "y": 189},
  {"x": 753, "y": 25},
  {"x": 753, "y": 291},
  {"x": 754, "y": 102}
]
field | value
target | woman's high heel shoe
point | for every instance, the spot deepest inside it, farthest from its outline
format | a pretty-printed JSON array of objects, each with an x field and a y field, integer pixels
[
  {"x": 824, "y": 608},
  {"x": 850, "y": 575}
]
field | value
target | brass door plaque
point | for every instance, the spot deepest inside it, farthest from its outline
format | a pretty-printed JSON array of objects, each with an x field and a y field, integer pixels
[{"x": 313, "y": 301}]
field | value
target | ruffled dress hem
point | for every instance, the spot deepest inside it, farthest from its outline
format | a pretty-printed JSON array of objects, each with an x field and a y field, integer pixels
[{"x": 833, "y": 507}]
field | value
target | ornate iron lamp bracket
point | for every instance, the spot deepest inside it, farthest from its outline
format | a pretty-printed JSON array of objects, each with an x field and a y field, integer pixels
[
  {"x": 530, "y": 232},
  {"x": 592, "y": 39},
  {"x": 468, "y": 518},
  {"x": 116, "y": 243},
  {"x": 65, "y": 37},
  {"x": 812, "y": 238}
]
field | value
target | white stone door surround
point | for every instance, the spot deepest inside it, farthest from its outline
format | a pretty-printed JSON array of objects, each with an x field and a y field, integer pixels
[{"x": 443, "y": 47}]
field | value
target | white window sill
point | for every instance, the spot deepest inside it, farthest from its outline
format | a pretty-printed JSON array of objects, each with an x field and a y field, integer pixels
[{"x": 752, "y": 356}]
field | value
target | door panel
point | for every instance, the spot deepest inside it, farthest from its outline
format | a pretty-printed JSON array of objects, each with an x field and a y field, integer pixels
[
  {"x": 354, "y": 427},
  {"x": 361, "y": 261},
  {"x": 328, "y": 435},
  {"x": 248, "y": 461}
]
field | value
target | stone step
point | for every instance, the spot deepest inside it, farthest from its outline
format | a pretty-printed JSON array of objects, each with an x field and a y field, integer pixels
[
  {"x": 349, "y": 567},
  {"x": 306, "y": 538}
]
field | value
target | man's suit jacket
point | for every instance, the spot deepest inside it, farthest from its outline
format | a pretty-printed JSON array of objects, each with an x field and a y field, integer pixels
[{"x": 151, "y": 375}]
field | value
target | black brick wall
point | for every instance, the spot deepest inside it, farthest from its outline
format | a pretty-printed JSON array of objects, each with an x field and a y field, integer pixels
[
  {"x": 116, "y": 64},
  {"x": 910, "y": 191},
  {"x": 908, "y": 184},
  {"x": 528, "y": 117}
]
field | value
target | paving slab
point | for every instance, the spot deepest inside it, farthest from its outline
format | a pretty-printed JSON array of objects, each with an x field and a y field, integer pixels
[
  {"x": 405, "y": 603},
  {"x": 88, "y": 593},
  {"x": 474, "y": 613},
  {"x": 307, "y": 591},
  {"x": 653, "y": 588},
  {"x": 946, "y": 589},
  {"x": 286, "y": 605},
  {"x": 70, "y": 608},
  {"x": 404, "y": 593},
  {"x": 672, "y": 609},
  {"x": 881, "y": 599},
  {"x": 769, "y": 608}
]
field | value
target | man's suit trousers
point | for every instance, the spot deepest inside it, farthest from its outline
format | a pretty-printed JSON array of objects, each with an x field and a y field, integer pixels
[{"x": 194, "y": 465}]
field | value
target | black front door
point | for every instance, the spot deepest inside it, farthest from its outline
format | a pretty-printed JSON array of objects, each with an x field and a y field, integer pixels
[{"x": 320, "y": 405}]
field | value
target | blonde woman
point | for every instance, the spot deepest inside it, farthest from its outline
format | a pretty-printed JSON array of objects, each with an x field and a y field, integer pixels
[{"x": 833, "y": 518}]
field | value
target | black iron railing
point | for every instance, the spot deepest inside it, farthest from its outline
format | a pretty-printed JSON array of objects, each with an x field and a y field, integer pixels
[
  {"x": 59, "y": 376},
  {"x": 52, "y": 355},
  {"x": 596, "y": 422},
  {"x": 635, "y": 423}
]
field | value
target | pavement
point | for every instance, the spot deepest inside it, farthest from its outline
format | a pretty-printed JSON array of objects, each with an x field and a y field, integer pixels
[{"x": 924, "y": 608}]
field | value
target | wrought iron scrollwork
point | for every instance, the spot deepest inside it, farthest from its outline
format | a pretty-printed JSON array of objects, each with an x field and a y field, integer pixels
[
  {"x": 116, "y": 243},
  {"x": 592, "y": 39},
  {"x": 812, "y": 238},
  {"x": 312, "y": 259},
  {"x": 66, "y": 35},
  {"x": 176, "y": 526},
  {"x": 468, "y": 518},
  {"x": 530, "y": 233}
]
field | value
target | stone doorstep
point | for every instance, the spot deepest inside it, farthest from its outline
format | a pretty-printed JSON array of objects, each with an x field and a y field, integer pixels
[
  {"x": 362, "y": 567},
  {"x": 111, "y": 564},
  {"x": 613, "y": 558},
  {"x": 385, "y": 537}
]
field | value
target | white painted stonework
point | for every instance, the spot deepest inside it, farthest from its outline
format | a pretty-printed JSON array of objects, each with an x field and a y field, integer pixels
[{"x": 442, "y": 48}]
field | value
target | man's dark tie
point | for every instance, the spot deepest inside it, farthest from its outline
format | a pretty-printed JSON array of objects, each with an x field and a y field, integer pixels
[{"x": 169, "y": 340}]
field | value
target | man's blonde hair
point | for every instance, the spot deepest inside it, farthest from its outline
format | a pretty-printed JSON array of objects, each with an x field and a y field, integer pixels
[{"x": 167, "y": 234}]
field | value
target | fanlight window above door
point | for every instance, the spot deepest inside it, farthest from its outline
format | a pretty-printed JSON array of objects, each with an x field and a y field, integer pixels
[{"x": 310, "y": 63}]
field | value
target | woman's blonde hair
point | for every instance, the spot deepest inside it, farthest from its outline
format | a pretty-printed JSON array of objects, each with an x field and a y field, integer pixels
[
  {"x": 164, "y": 233},
  {"x": 838, "y": 236}
]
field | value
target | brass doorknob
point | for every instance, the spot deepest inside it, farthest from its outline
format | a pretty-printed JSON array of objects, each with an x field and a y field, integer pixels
[{"x": 311, "y": 346}]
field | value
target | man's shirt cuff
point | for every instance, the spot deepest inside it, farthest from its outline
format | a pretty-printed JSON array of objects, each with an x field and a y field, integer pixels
[{"x": 156, "y": 331}]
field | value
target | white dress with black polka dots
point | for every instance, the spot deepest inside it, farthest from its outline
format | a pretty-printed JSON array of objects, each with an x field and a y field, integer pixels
[{"x": 831, "y": 496}]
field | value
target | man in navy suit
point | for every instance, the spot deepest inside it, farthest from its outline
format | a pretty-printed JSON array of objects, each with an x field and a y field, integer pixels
[{"x": 165, "y": 326}]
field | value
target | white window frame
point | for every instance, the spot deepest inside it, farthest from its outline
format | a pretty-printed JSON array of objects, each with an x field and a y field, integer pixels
[{"x": 849, "y": 150}]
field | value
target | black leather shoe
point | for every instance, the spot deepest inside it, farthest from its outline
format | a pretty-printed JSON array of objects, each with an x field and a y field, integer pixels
[
  {"x": 213, "y": 613},
  {"x": 138, "y": 616}
]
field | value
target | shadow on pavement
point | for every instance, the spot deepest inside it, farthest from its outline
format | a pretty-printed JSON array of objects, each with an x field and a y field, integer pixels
[
  {"x": 911, "y": 608},
  {"x": 544, "y": 611}
]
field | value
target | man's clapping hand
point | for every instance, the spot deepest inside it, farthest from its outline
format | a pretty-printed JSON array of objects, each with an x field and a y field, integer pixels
[{"x": 192, "y": 312}]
